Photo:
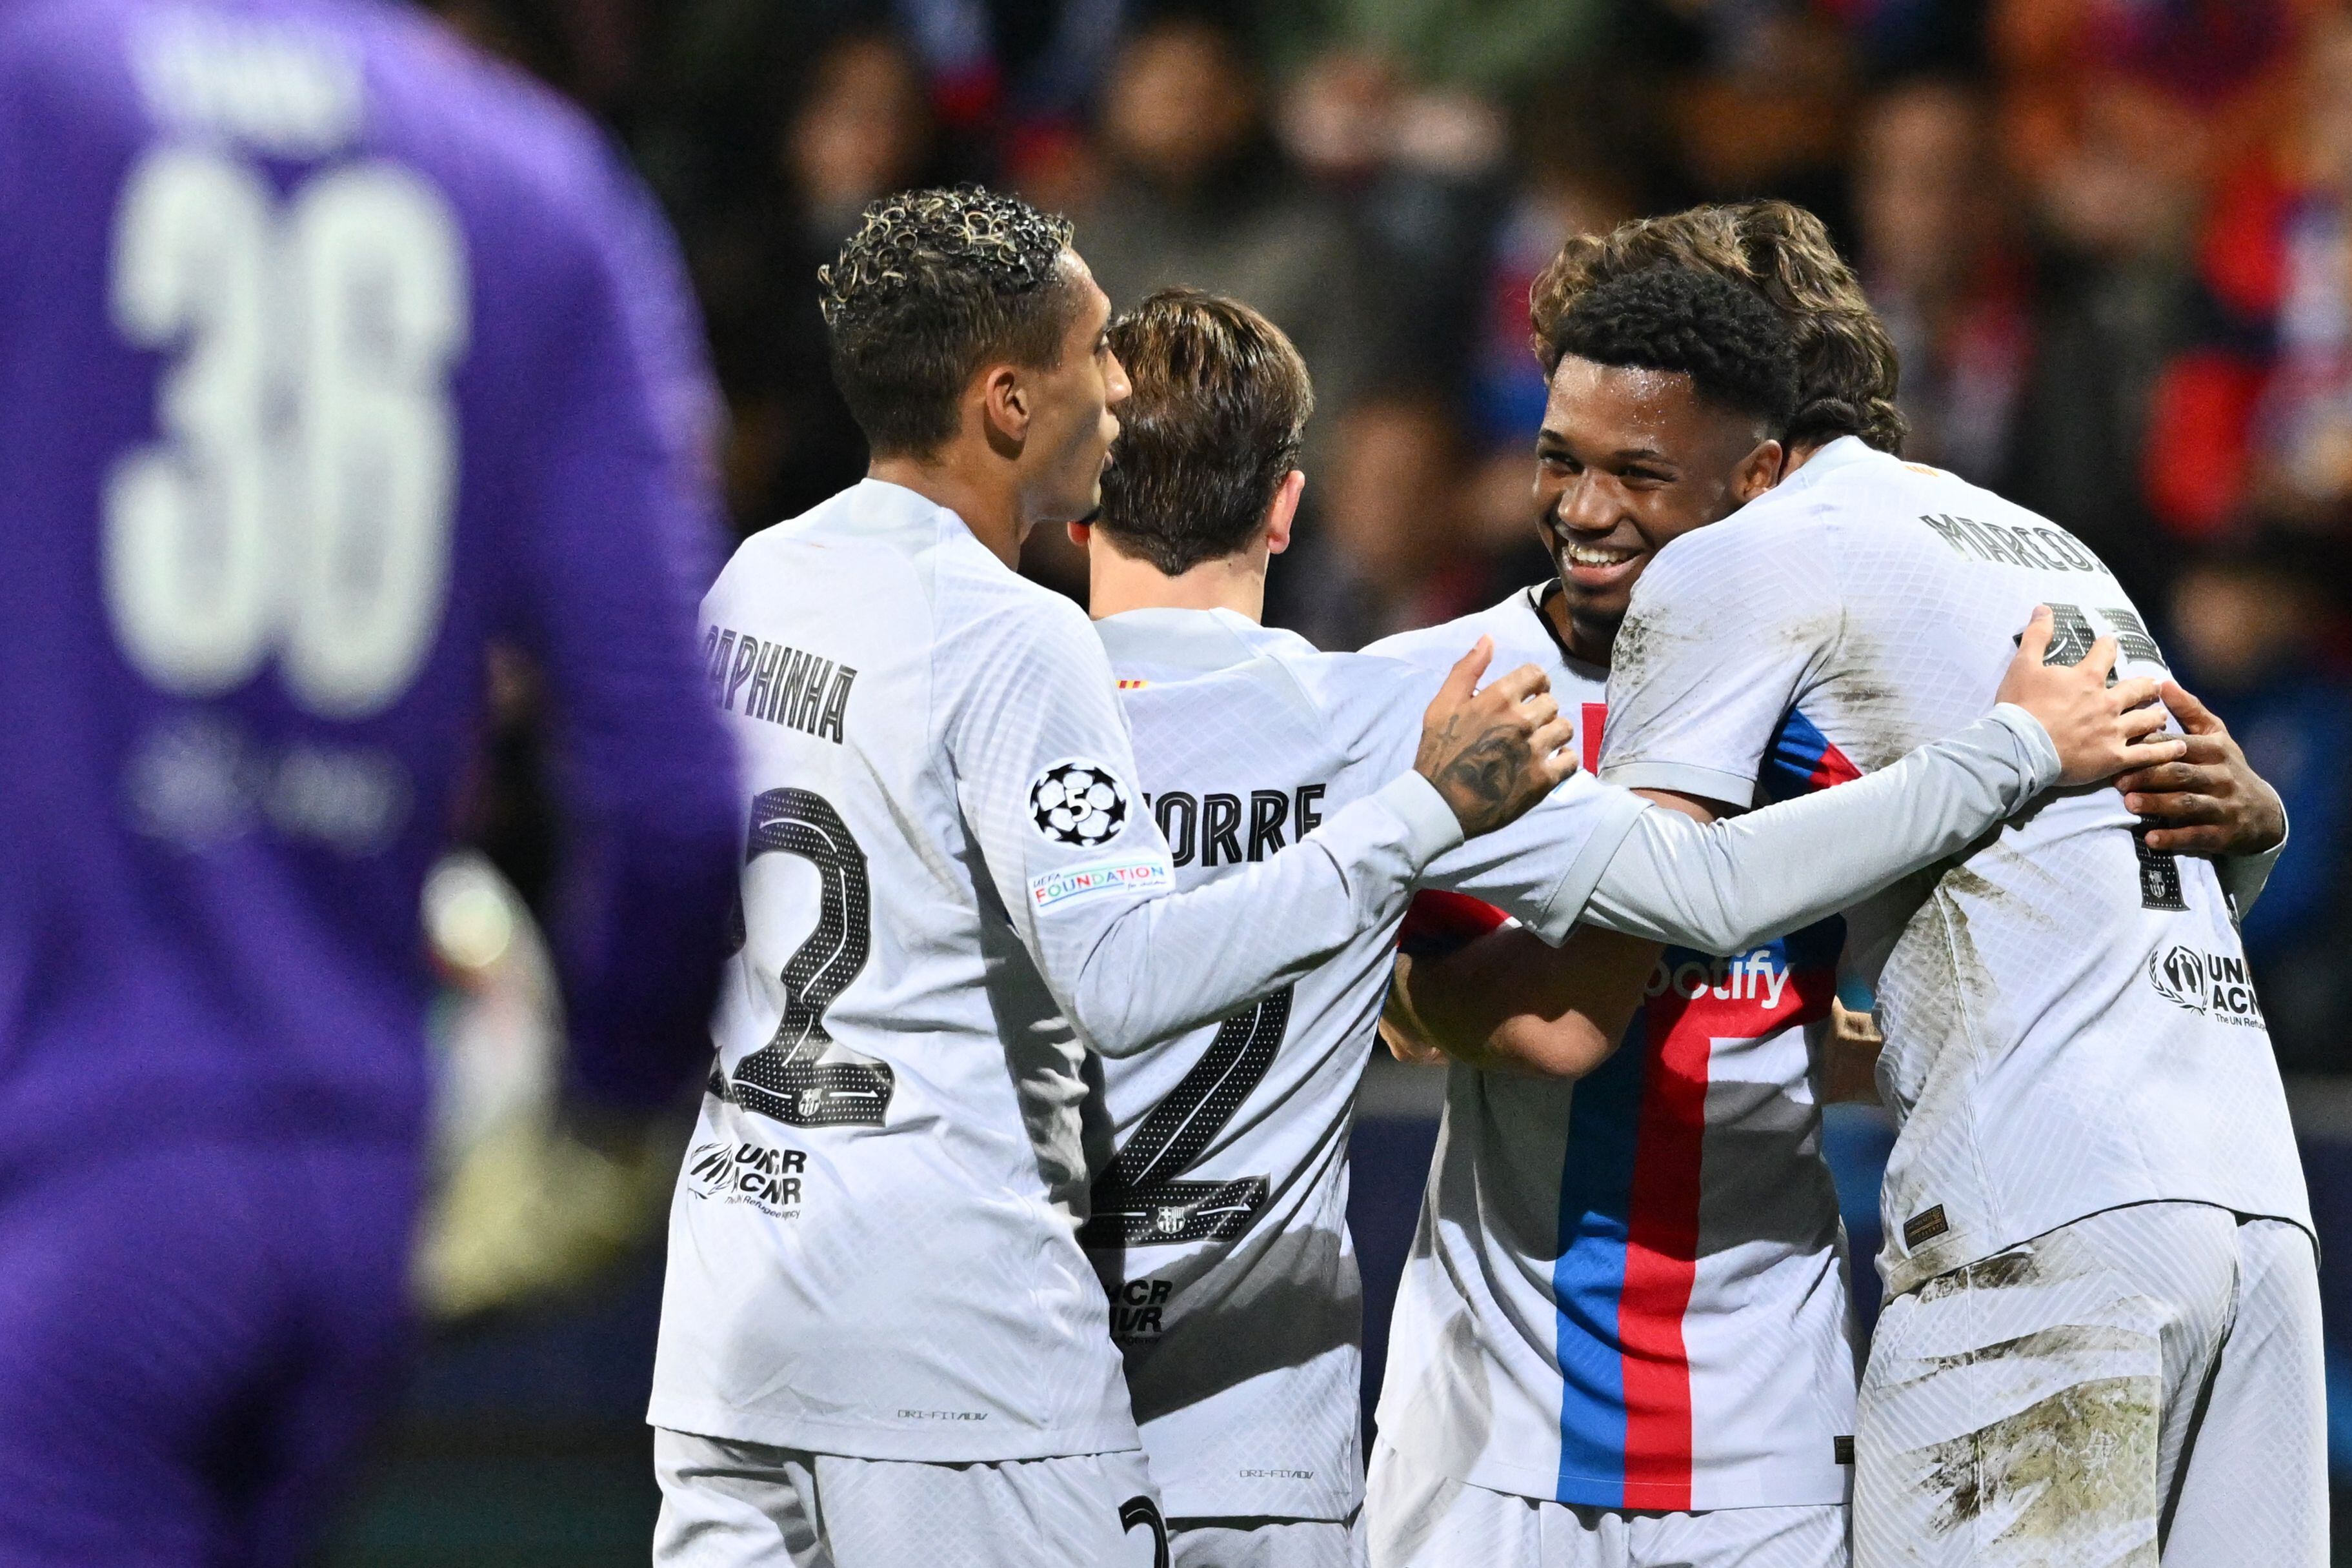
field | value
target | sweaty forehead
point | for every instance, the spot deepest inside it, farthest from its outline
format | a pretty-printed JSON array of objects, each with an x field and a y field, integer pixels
[{"x": 1603, "y": 408}]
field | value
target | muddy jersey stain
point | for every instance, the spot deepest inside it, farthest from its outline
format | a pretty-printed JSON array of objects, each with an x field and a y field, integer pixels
[
  {"x": 2002, "y": 1271},
  {"x": 2068, "y": 1340},
  {"x": 2079, "y": 1463}
]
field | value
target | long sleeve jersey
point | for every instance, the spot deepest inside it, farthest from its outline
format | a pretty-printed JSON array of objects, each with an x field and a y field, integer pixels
[
  {"x": 2069, "y": 1022},
  {"x": 1217, "y": 1222}
]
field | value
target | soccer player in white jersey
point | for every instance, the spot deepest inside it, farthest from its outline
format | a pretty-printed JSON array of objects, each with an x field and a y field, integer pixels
[
  {"x": 1218, "y": 1206},
  {"x": 879, "y": 1333},
  {"x": 1623, "y": 1329},
  {"x": 2102, "y": 1338}
]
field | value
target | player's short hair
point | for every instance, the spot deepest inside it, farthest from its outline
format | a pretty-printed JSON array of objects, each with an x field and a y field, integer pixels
[
  {"x": 1220, "y": 404},
  {"x": 1734, "y": 348},
  {"x": 934, "y": 285},
  {"x": 1847, "y": 369}
]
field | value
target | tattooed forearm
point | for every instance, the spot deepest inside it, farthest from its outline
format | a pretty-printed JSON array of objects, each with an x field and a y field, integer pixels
[
  {"x": 1483, "y": 781},
  {"x": 1491, "y": 754}
]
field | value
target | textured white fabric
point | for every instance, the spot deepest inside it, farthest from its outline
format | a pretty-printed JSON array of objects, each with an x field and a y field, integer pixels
[
  {"x": 1231, "y": 1280},
  {"x": 1420, "y": 1518},
  {"x": 746, "y": 1505},
  {"x": 1219, "y": 1222},
  {"x": 873, "y": 1245},
  {"x": 2252, "y": 1485},
  {"x": 1267, "y": 1542},
  {"x": 1739, "y": 881},
  {"x": 2068, "y": 1023},
  {"x": 1501, "y": 1284},
  {"x": 2145, "y": 1379}
]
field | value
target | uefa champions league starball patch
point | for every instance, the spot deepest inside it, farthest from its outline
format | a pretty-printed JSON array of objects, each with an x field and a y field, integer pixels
[{"x": 1079, "y": 803}]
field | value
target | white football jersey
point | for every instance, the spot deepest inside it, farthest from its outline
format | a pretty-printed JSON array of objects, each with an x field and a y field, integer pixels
[
  {"x": 1219, "y": 1216},
  {"x": 950, "y": 890},
  {"x": 1629, "y": 1292},
  {"x": 2068, "y": 1019}
]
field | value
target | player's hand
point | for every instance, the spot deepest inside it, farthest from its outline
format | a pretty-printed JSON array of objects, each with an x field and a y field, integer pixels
[
  {"x": 1850, "y": 1059},
  {"x": 1407, "y": 1037},
  {"x": 2210, "y": 802},
  {"x": 1495, "y": 752},
  {"x": 2100, "y": 730}
]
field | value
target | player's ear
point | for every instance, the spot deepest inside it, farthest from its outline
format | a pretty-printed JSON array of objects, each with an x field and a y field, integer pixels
[
  {"x": 1080, "y": 533},
  {"x": 1759, "y": 471},
  {"x": 1282, "y": 510},
  {"x": 1005, "y": 406}
]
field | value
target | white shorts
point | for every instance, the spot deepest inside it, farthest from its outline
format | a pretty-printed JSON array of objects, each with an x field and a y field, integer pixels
[
  {"x": 2148, "y": 1378},
  {"x": 1418, "y": 1519},
  {"x": 746, "y": 1505},
  {"x": 1267, "y": 1542}
]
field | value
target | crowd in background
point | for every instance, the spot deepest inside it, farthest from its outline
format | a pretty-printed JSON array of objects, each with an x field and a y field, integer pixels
[{"x": 2113, "y": 239}]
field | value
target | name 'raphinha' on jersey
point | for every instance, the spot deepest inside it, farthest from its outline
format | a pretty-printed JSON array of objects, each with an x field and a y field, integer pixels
[{"x": 802, "y": 691}]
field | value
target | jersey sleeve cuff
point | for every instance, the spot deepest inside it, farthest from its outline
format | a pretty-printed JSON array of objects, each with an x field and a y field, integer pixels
[
  {"x": 2244, "y": 877},
  {"x": 1683, "y": 778},
  {"x": 2041, "y": 750},
  {"x": 1431, "y": 827}
]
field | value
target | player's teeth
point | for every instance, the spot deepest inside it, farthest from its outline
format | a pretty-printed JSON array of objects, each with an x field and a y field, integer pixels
[{"x": 1582, "y": 556}]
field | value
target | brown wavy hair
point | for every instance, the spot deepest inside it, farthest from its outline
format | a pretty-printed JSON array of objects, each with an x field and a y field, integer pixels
[
  {"x": 1848, "y": 372},
  {"x": 1220, "y": 404}
]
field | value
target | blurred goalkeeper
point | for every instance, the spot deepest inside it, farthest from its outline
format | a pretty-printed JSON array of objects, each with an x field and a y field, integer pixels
[{"x": 330, "y": 355}]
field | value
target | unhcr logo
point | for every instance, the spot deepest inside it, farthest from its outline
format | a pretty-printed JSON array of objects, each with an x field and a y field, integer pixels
[{"x": 2215, "y": 984}]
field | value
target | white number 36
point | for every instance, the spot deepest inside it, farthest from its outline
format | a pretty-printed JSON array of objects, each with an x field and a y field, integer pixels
[{"x": 299, "y": 501}]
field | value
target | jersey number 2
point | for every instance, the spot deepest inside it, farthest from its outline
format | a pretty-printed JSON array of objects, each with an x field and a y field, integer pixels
[
  {"x": 785, "y": 1079},
  {"x": 299, "y": 498},
  {"x": 1140, "y": 1200}
]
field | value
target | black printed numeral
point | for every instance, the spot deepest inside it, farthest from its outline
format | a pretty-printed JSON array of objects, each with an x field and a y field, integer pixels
[
  {"x": 2160, "y": 875},
  {"x": 2070, "y": 636},
  {"x": 2073, "y": 634},
  {"x": 789, "y": 1078},
  {"x": 2070, "y": 643},
  {"x": 1140, "y": 1200}
]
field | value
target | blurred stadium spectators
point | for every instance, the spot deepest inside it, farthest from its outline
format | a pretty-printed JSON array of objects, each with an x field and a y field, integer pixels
[{"x": 2113, "y": 238}]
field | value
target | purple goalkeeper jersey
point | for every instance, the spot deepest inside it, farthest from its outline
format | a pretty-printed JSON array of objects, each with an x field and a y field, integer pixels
[{"x": 330, "y": 353}]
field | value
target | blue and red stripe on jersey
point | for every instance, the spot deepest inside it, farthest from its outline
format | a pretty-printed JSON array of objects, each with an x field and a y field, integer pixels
[
  {"x": 1629, "y": 1213},
  {"x": 1630, "y": 1183},
  {"x": 1799, "y": 759}
]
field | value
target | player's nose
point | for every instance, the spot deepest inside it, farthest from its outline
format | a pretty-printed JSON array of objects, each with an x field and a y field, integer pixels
[{"x": 1584, "y": 507}]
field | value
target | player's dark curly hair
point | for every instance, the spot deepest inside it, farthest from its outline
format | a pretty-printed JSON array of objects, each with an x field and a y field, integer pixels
[
  {"x": 1734, "y": 348},
  {"x": 1847, "y": 369},
  {"x": 934, "y": 285},
  {"x": 1220, "y": 404}
]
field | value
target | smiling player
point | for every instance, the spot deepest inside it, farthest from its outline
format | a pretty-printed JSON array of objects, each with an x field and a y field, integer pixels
[
  {"x": 879, "y": 1331},
  {"x": 2095, "y": 1220},
  {"x": 2156, "y": 1349},
  {"x": 1218, "y": 1207},
  {"x": 1622, "y": 1332}
]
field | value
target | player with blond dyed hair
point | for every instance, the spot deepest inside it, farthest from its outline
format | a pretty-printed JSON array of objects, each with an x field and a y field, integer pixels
[{"x": 880, "y": 1337}]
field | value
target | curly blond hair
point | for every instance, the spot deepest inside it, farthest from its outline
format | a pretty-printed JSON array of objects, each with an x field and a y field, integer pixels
[
  {"x": 933, "y": 285},
  {"x": 1848, "y": 372}
]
